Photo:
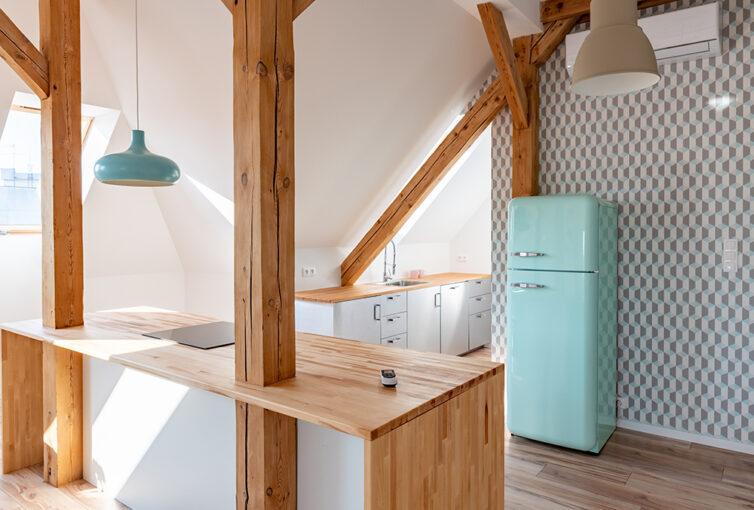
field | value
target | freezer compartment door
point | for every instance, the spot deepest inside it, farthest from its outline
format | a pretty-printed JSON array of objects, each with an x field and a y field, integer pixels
[
  {"x": 551, "y": 364},
  {"x": 553, "y": 233}
]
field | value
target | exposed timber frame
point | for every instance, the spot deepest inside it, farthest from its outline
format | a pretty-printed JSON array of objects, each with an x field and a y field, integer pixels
[
  {"x": 265, "y": 351},
  {"x": 517, "y": 85},
  {"x": 53, "y": 72},
  {"x": 555, "y": 10},
  {"x": 461, "y": 137},
  {"x": 23, "y": 57}
]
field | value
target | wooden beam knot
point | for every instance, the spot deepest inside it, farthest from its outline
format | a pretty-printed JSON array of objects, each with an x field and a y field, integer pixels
[
  {"x": 287, "y": 71},
  {"x": 261, "y": 69}
]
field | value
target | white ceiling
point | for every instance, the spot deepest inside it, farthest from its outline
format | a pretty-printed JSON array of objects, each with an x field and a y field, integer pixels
[{"x": 521, "y": 16}]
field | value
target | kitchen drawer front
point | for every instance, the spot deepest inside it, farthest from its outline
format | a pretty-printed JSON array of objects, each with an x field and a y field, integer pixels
[
  {"x": 393, "y": 303},
  {"x": 480, "y": 329},
  {"x": 478, "y": 287},
  {"x": 393, "y": 325},
  {"x": 480, "y": 303},
  {"x": 396, "y": 341}
]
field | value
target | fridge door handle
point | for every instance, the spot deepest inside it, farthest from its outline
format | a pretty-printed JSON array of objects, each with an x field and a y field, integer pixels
[
  {"x": 528, "y": 286},
  {"x": 528, "y": 254}
]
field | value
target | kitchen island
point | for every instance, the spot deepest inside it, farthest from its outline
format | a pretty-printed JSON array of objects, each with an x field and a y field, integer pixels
[{"x": 434, "y": 441}]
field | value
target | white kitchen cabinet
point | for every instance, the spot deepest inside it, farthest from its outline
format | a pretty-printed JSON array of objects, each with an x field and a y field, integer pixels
[
  {"x": 393, "y": 324},
  {"x": 454, "y": 319},
  {"x": 480, "y": 303},
  {"x": 359, "y": 319},
  {"x": 424, "y": 319},
  {"x": 395, "y": 341},
  {"x": 478, "y": 287},
  {"x": 480, "y": 329}
]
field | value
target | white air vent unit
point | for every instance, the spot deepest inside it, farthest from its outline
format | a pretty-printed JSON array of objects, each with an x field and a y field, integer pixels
[{"x": 675, "y": 36}]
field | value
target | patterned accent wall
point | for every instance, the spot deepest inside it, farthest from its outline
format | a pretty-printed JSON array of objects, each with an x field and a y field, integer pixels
[{"x": 680, "y": 170}]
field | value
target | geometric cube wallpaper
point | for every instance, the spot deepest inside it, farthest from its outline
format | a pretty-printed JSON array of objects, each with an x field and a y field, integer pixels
[{"x": 677, "y": 159}]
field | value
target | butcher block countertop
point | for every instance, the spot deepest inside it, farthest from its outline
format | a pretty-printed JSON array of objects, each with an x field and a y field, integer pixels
[
  {"x": 365, "y": 290},
  {"x": 337, "y": 383}
]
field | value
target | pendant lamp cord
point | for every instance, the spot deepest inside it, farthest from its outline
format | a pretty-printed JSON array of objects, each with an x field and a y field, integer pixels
[{"x": 136, "y": 23}]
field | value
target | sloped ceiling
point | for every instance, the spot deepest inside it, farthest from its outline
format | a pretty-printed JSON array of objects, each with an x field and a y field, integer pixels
[{"x": 377, "y": 82}]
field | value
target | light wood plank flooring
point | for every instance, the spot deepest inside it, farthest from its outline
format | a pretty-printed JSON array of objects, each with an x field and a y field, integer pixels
[{"x": 634, "y": 471}]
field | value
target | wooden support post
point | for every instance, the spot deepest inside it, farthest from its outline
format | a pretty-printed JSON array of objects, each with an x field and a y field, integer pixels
[
  {"x": 265, "y": 460},
  {"x": 62, "y": 239},
  {"x": 22, "y": 402},
  {"x": 263, "y": 69},
  {"x": 525, "y": 175},
  {"x": 63, "y": 415}
]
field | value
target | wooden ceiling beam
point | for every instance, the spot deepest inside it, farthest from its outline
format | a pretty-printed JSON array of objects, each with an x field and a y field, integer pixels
[
  {"x": 23, "y": 57},
  {"x": 555, "y": 10},
  {"x": 505, "y": 60},
  {"x": 299, "y": 6},
  {"x": 547, "y": 42},
  {"x": 468, "y": 129}
]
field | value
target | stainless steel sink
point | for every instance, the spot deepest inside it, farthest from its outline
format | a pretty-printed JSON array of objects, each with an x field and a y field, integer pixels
[{"x": 402, "y": 283}]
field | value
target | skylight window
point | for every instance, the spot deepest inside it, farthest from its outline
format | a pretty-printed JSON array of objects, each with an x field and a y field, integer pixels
[{"x": 21, "y": 168}]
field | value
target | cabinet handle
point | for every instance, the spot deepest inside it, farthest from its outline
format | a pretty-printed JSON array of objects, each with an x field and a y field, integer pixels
[
  {"x": 528, "y": 286},
  {"x": 377, "y": 312},
  {"x": 390, "y": 320},
  {"x": 437, "y": 300},
  {"x": 528, "y": 254},
  {"x": 479, "y": 316},
  {"x": 390, "y": 298},
  {"x": 478, "y": 299}
]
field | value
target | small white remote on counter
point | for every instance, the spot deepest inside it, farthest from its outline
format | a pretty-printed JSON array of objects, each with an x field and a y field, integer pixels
[{"x": 389, "y": 379}]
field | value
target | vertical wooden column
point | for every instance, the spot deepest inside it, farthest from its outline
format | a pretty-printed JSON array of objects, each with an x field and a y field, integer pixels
[
  {"x": 63, "y": 415},
  {"x": 525, "y": 175},
  {"x": 263, "y": 69},
  {"x": 22, "y": 402},
  {"x": 62, "y": 241}
]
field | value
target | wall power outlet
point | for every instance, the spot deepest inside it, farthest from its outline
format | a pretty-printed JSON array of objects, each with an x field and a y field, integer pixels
[
  {"x": 462, "y": 258},
  {"x": 308, "y": 271}
]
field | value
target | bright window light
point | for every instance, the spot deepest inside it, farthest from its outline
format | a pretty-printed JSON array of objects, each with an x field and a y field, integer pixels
[{"x": 21, "y": 167}]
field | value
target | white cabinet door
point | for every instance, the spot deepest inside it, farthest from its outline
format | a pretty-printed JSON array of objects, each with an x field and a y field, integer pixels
[
  {"x": 480, "y": 329},
  {"x": 359, "y": 319},
  {"x": 424, "y": 319},
  {"x": 454, "y": 329}
]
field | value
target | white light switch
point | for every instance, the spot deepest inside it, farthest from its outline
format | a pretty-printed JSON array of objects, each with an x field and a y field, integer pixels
[{"x": 730, "y": 255}]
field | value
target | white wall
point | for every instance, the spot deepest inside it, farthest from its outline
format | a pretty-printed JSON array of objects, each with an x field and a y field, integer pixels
[{"x": 474, "y": 242}]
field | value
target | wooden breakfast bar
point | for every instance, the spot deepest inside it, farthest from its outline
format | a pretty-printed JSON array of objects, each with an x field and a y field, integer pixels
[{"x": 435, "y": 441}]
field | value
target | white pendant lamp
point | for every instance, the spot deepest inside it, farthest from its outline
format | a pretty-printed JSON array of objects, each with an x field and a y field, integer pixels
[{"x": 616, "y": 57}]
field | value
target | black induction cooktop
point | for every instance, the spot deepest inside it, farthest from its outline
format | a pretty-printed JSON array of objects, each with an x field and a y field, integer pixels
[{"x": 203, "y": 336}]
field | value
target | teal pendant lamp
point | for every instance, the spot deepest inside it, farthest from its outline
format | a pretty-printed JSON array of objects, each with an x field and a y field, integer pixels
[{"x": 136, "y": 166}]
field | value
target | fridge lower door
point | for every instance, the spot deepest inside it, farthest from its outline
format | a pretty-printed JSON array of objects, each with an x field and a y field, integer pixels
[{"x": 551, "y": 363}]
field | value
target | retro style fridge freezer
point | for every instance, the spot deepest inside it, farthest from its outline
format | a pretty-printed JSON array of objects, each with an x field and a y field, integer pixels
[{"x": 562, "y": 319}]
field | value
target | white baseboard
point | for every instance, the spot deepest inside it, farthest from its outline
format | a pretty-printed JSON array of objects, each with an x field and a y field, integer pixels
[{"x": 656, "y": 430}]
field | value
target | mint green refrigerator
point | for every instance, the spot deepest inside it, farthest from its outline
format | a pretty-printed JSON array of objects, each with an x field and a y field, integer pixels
[{"x": 562, "y": 317}]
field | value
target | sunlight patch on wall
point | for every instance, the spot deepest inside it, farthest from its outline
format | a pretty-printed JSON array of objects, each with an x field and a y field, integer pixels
[{"x": 122, "y": 438}]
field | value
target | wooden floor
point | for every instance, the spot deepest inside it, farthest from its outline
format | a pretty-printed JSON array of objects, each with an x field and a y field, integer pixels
[{"x": 634, "y": 472}]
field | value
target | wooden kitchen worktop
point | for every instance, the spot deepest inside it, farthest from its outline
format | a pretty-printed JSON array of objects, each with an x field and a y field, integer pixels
[
  {"x": 365, "y": 290},
  {"x": 337, "y": 381}
]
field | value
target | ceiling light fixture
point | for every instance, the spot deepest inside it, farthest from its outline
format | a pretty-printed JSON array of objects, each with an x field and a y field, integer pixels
[
  {"x": 136, "y": 166},
  {"x": 616, "y": 57}
]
